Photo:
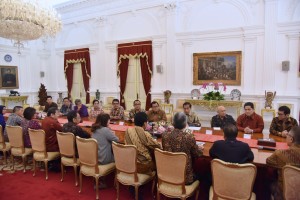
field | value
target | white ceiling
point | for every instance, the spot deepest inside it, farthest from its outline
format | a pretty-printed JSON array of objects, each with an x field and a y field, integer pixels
[{"x": 56, "y": 2}]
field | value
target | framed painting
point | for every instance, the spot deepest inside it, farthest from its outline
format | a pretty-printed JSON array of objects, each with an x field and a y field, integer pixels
[
  {"x": 9, "y": 77},
  {"x": 217, "y": 67}
]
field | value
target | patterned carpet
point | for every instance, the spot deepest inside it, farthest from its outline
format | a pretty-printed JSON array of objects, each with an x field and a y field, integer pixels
[{"x": 18, "y": 165}]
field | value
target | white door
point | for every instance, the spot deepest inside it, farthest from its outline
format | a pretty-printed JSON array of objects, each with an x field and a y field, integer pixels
[
  {"x": 134, "y": 84},
  {"x": 78, "y": 91}
]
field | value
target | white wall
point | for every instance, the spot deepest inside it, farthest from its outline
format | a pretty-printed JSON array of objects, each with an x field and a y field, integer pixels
[{"x": 266, "y": 31}]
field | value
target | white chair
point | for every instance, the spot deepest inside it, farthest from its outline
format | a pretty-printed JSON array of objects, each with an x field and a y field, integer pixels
[
  {"x": 291, "y": 182},
  {"x": 232, "y": 181}
]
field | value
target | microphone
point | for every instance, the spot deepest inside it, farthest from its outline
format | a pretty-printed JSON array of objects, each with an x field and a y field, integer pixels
[{"x": 266, "y": 148}]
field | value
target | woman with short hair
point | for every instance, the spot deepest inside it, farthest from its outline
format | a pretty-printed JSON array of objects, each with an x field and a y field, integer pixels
[
  {"x": 29, "y": 122},
  {"x": 96, "y": 109},
  {"x": 104, "y": 137}
]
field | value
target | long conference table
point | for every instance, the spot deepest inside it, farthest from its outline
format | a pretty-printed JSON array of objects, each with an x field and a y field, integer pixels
[{"x": 202, "y": 166}]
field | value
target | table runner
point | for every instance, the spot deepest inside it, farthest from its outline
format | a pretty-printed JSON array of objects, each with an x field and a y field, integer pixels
[{"x": 251, "y": 142}]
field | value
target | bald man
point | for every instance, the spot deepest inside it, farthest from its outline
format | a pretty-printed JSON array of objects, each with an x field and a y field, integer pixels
[{"x": 221, "y": 119}]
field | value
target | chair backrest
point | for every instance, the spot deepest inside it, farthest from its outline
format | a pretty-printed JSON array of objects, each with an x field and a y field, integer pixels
[
  {"x": 168, "y": 108},
  {"x": 88, "y": 152},
  {"x": 15, "y": 136},
  {"x": 38, "y": 140},
  {"x": 66, "y": 143},
  {"x": 125, "y": 157},
  {"x": 2, "y": 142},
  {"x": 170, "y": 167},
  {"x": 291, "y": 182},
  {"x": 232, "y": 181}
]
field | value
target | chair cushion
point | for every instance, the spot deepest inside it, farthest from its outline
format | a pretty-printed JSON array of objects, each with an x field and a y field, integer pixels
[
  {"x": 128, "y": 179},
  {"x": 103, "y": 169},
  {"x": 69, "y": 161},
  {"x": 7, "y": 147},
  {"x": 18, "y": 151},
  {"x": 211, "y": 194},
  {"x": 175, "y": 190},
  {"x": 39, "y": 156}
]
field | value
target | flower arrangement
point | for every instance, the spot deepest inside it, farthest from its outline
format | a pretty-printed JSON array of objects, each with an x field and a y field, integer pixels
[{"x": 213, "y": 91}]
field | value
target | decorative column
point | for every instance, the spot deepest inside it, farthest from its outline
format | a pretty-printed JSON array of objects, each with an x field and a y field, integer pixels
[
  {"x": 271, "y": 7},
  {"x": 170, "y": 28},
  {"x": 187, "y": 68}
]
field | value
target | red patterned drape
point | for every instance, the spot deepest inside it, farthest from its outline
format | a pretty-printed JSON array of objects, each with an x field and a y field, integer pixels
[
  {"x": 78, "y": 56},
  {"x": 143, "y": 50}
]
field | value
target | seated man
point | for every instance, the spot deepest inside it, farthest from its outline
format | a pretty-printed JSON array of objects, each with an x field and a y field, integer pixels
[
  {"x": 66, "y": 107},
  {"x": 50, "y": 126},
  {"x": 117, "y": 111},
  {"x": 156, "y": 114},
  {"x": 14, "y": 119},
  {"x": 50, "y": 104},
  {"x": 193, "y": 119},
  {"x": 222, "y": 119},
  {"x": 179, "y": 140},
  {"x": 282, "y": 124},
  {"x": 280, "y": 158},
  {"x": 250, "y": 122},
  {"x": 80, "y": 108},
  {"x": 72, "y": 125},
  {"x": 230, "y": 149},
  {"x": 143, "y": 141},
  {"x": 137, "y": 108}
]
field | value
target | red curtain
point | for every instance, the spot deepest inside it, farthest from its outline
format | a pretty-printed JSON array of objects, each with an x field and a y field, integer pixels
[
  {"x": 78, "y": 56},
  {"x": 143, "y": 50}
]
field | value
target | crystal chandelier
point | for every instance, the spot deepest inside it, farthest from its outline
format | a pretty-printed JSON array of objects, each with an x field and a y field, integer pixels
[{"x": 23, "y": 20}]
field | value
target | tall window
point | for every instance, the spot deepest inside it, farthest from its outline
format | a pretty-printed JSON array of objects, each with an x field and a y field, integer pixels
[
  {"x": 78, "y": 91},
  {"x": 134, "y": 84}
]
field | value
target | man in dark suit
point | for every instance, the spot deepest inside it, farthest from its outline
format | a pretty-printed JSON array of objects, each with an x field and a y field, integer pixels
[{"x": 230, "y": 149}]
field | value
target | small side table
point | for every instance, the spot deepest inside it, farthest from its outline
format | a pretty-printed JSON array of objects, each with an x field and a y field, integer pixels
[{"x": 268, "y": 110}]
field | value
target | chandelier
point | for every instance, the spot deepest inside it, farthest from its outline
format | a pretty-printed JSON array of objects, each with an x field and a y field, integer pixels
[{"x": 23, "y": 20}]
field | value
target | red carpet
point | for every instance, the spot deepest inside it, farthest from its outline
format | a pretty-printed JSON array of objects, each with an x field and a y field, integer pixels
[{"x": 24, "y": 186}]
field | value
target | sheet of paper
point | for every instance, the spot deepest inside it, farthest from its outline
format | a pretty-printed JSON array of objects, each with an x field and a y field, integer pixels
[
  {"x": 195, "y": 128},
  {"x": 247, "y": 136},
  {"x": 121, "y": 123},
  {"x": 217, "y": 128},
  {"x": 209, "y": 132}
]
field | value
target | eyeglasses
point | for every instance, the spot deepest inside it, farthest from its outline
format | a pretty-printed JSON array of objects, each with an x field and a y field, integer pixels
[{"x": 290, "y": 135}]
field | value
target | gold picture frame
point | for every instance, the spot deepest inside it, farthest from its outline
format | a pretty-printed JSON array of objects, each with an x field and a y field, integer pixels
[
  {"x": 217, "y": 67},
  {"x": 9, "y": 77}
]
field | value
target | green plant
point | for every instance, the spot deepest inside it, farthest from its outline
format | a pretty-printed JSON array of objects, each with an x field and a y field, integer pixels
[{"x": 212, "y": 95}]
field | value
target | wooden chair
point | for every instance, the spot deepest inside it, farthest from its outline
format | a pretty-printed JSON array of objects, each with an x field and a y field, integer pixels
[
  {"x": 38, "y": 142},
  {"x": 291, "y": 182},
  {"x": 89, "y": 166},
  {"x": 126, "y": 164},
  {"x": 16, "y": 140},
  {"x": 171, "y": 168},
  {"x": 232, "y": 181},
  {"x": 66, "y": 143},
  {"x": 4, "y": 146}
]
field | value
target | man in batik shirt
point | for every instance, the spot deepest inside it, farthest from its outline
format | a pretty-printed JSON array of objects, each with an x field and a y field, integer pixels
[
  {"x": 282, "y": 124},
  {"x": 137, "y": 108},
  {"x": 222, "y": 119},
  {"x": 156, "y": 114},
  {"x": 281, "y": 157},
  {"x": 193, "y": 119},
  {"x": 117, "y": 111},
  {"x": 180, "y": 140}
]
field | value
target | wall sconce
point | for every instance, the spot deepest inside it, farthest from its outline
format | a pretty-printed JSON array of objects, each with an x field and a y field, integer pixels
[{"x": 159, "y": 68}]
